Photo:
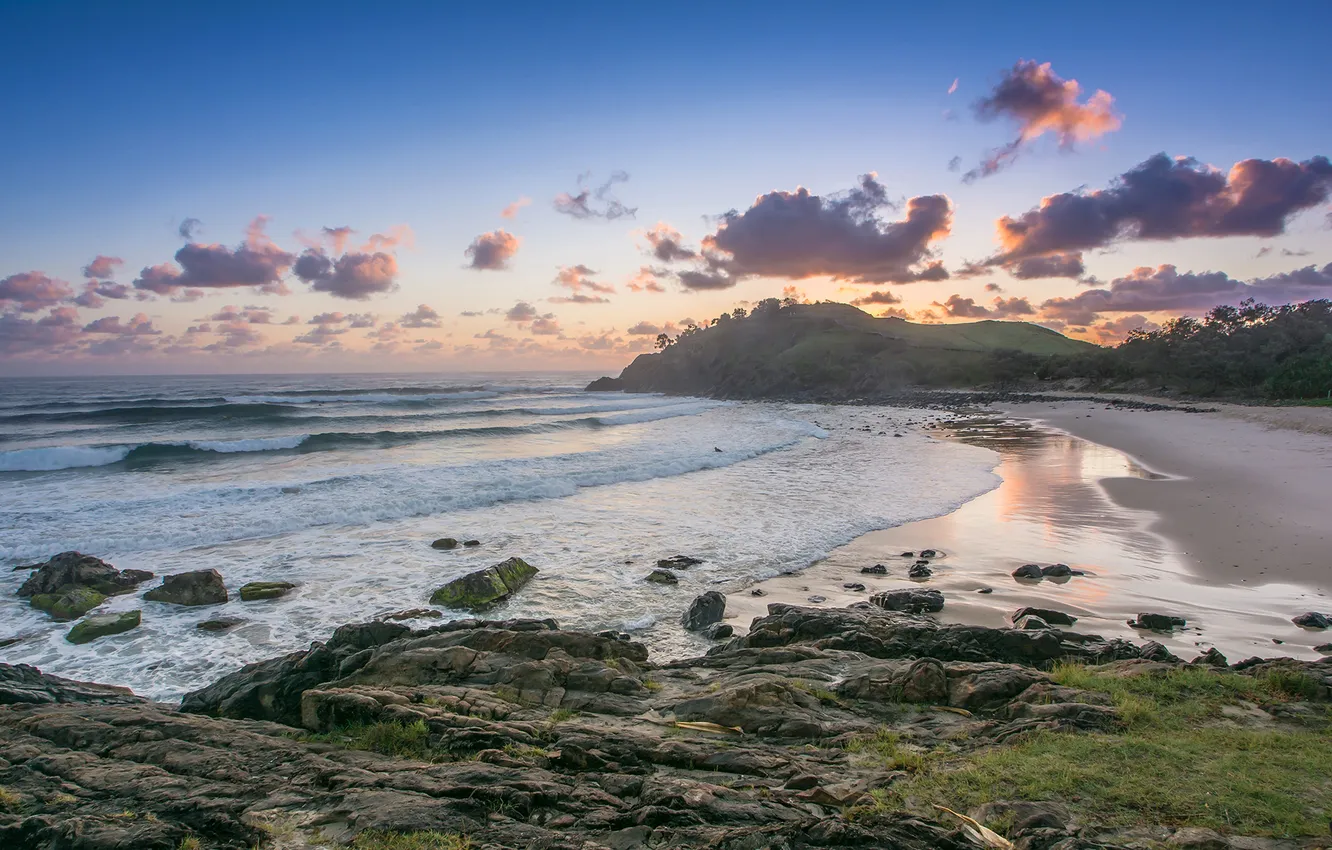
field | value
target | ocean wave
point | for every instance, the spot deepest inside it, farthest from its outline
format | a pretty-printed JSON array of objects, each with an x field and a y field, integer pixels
[
  {"x": 362, "y": 397},
  {"x": 61, "y": 457}
]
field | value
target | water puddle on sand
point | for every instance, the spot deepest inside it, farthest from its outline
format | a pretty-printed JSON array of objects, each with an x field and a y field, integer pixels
[{"x": 1051, "y": 508}]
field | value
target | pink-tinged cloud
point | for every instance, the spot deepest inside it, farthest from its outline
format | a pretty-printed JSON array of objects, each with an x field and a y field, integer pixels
[
  {"x": 1051, "y": 265},
  {"x": 511, "y": 211},
  {"x": 666, "y": 243},
  {"x": 492, "y": 251},
  {"x": 545, "y": 326},
  {"x": 595, "y": 203},
  {"x": 422, "y": 317},
  {"x": 102, "y": 267},
  {"x": 1001, "y": 308},
  {"x": 953, "y": 87},
  {"x": 579, "y": 298},
  {"x": 138, "y": 325},
  {"x": 797, "y": 235},
  {"x": 1113, "y": 331},
  {"x": 398, "y": 236},
  {"x": 578, "y": 278},
  {"x": 337, "y": 237},
  {"x": 235, "y": 335},
  {"x": 321, "y": 335},
  {"x": 1166, "y": 289},
  {"x": 257, "y": 263},
  {"x": 20, "y": 337},
  {"x": 30, "y": 292},
  {"x": 1164, "y": 199},
  {"x": 894, "y": 313},
  {"x": 878, "y": 297},
  {"x": 647, "y": 280},
  {"x": 355, "y": 276},
  {"x": 1039, "y": 102},
  {"x": 521, "y": 312}
]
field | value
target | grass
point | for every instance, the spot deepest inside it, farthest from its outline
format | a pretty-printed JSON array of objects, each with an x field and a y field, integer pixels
[
  {"x": 652, "y": 684},
  {"x": 1178, "y": 762},
  {"x": 377, "y": 840},
  {"x": 560, "y": 715},
  {"x": 9, "y": 801},
  {"x": 189, "y": 843},
  {"x": 884, "y": 746},
  {"x": 400, "y": 740}
]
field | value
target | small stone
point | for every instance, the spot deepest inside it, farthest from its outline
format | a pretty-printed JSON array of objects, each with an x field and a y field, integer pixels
[
  {"x": 662, "y": 577},
  {"x": 818, "y": 600},
  {"x": 920, "y": 571},
  {"x": 445, "y": 543},
  {"x": 758, "y": 592},
  {"x": 1211, "y": 658},
  {"x": 260, "y": 590},
  {"x": 1059, "y": 571},
  {"x": 471, "y": 542},
  {"x": 801, "y": 782},
  {"x": 1028, "y": 571},
  {"x": 219, "y": 624},
  {"x": 1326, "y": 648},
  {"x": 985, "y": 590},
  {"x": 854, "y": 586},
  {"x": 100, "y": 625},
  {"x": 719, "y": 631},
  {"x": 908, "y": 554},
  {"x": 876, "y": 570},
  {"x": 1030, "y": 622},
  {"x": 678, "y": 562},
  {"x": 1312, "y": 620},
  {"x": 413, "y": 614},
  {"x": 929, "y": 553}
]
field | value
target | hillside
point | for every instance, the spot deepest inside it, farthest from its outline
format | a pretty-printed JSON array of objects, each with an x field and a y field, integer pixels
[{"x": 836, "y": 350}]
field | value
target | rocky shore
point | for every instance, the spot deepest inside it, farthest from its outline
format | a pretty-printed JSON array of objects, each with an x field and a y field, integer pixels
[{"x": 819, "y": 728}]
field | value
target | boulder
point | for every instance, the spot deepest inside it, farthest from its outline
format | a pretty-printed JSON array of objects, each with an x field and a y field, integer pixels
[
  {"x": 70, "y": 603},
  {"x": 919, "y": 571},
  {"x": 219, "y": 624},
  {"x": 913, "y": 600},
  {"x": 876, "y": 570},
  {"x": 1059, "y": 571},
  {"x": 1153, "y": 651},
  {"x": 445, "y": 543},
  {"x": 471, "y": 542},
  {"x": 1312, "y": 620},
  {"x": 100, "y": 625},
  {"x": 200, "y": 587},
  {"x": 260, "y": 590},
  {"x": 22, "y": 684},
  {"x": 1326, "y": 649},
  {"x": 678, "y": 562},
  {"x": 705, "y": 610},
  {"x": 487, "y": 587},
  {"x": 1028, "y": 571},
  {"x": 1049, "y": 615},
  {"x": 1030, "y": 621},
  {"x": 662, "y": 577},
  {"x": 854, "y": 586},
  {"x": 1157, "y": 622},
  {"x": 76, "y": 569},
  {"x": 719, "y": 631},
  {"x": 929, "y": 553},
  {"x": 1211, "y": 658}
]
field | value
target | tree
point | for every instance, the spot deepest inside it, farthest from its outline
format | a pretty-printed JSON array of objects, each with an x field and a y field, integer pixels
[
  {"x": 663, "y": 342},
  {"x": 739, "y": 313}
]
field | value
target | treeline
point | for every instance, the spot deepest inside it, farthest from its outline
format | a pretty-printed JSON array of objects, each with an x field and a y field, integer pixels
[{"x": 1251, "y": 350}]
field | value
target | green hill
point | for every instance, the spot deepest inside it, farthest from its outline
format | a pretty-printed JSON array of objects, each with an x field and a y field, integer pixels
[{"x": 836, "y": 350}]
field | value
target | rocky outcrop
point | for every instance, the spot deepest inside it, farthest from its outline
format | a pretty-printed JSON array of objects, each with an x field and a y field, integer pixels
[
  {"x": 200, "y": 587},
  {"x": 1048, "y": 615},
  {"x": 1312, "y": 620},
  {"x": 911, "y": 600},
  {"x": 95, "y": 626},
  {"x": 485, "y": 588},
  {"x": 259, "y": 590},
  {"x": 71, "y": 584},
  {"x": 678, "y": 562},
  {"x": 706, "y": 609},
  {"x": 1158, "y": 622}
]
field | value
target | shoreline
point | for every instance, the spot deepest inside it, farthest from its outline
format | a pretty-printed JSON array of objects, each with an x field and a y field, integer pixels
[{"x": 1143, "y": 501}]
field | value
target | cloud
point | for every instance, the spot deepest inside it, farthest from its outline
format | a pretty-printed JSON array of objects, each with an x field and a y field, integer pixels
[
  {"x": 1040, "y": 102},
  {"x": 188, "y": 228},
  {"x": 251, "y": 315},
  {"x": 184, "y": 297},
  {"x": 645, "y": 329},
  {"x": 993, "y": 287},
  {"x": 511, "y": 211},
  {"x": 256, "y": 263},
  {"x": 1051, "y": 265},
  {"x": 138, "y": 325},
  {"x": 30, "y": 292},
  {"x": 545, "y": 326},
  {"x": 337, "y": 237},
  {"x": 47, "y": 335},
  {"x": 595, "y": 203},
  {"x": 664, "y": 243},
  {"x": 429, "y": 345},
  {"x": 1002, "y": 308},
  {"x": 321, "y": 335},
  {"x": 237, "y": 334},
  {"x": 422, "y": 317},
  {"x": 102, "y": 267},
  {"x": 1114, "y": 331},
  {"x": 953, "y": 87},
  {"x": 1165, "y": 288},
  {"x": 521, "y": 312},
  {"x": 96, "y": 291},
  {"x": 579, "y": 298},
  {"x": 492, "y": 251},
  {"x": 361, "y": 320},
  {"x": 798, "y": 235},
  {"x": 876, "y": 298},
  {"x": 1165, "y": 199},
  {"x": 955, "y": 164},
  {"x": 328, "y": 319},
  {"x": 355, "y": 276},
  {"x": 646, "y": 280},
  {"x": 578, "y": 278},
  {"x": 894, "y": 313},
  {"x": 400, "y": 235}
]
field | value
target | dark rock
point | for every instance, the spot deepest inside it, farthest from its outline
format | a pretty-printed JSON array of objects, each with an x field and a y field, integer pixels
[
  {"x": 1059, "y": 571},
  {"x": 1211, "y": 658},
  {"x": 802, "y": 782},
  {"x": 1028, "y": 571},
  {"x": 913, "y": 601},
  {"x": 445, "y": 543},
  {"x": 1157, "y": 622},
  {"x": 929, "y": 553},
  {"x": 985, "y": 590},
  {"x": 484, "y": 588},
  {"x": 876, "y": 570},
  {"x": 100, "y": 625},
  {"x": 718, "y": 631},
  {"x": 471, "y": 543},
  {"x": 219, "y": 624},
  {"x": 758, "y": 592},
  {"x": 605, "y": 385},
  {"x": 678, "y": 562},
  {"x": 21, "y": 684},
  {"x": 1312, "y": 620},
  {"x": 908, "y": 554},
  {"x": 662, "y": 577},
  {"x": 1326, "y": 649},
  {"x": 1153, "y": 651},
  {"x": 76, "y": 569},
  {"x": 854, "y": 586},
  {"x": 919, "y": 571},
  {"x": 414, "y": 614},
  {"x": 705, "y": 610},
  {"x": 200, "y": 587},
  {"x": 1030, "y": 621},
  {"x": 1049, "y": 615},
  {"x": 818, "y": 600},
  {"x": 256, "y": 591}
]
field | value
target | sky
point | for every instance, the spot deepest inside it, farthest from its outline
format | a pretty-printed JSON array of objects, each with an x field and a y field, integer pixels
[{"x": 248, "y": 188}]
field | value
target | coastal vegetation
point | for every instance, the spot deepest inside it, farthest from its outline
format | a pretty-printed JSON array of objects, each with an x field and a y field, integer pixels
[{"x": 830, "y": 350}]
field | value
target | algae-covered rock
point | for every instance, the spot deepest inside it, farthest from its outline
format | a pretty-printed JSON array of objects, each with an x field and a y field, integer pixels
[
  {"x": 70, "y": 603},
  {"x": 101, "y": 625},
  {"x": 258, "y": 590},
  {"x": 445, "y": 543},
  {"x": 487, "y": 587},
  {"x": 200, "y": 587}
]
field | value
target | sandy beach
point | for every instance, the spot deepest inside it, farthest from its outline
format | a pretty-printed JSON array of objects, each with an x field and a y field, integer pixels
[{"x": 1218, "y": 517}]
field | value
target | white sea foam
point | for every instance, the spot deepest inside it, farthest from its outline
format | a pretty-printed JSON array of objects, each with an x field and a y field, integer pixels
[
  {"x": 61, "y": 457},
  {"x": 361, "y": 398},
  {"x": 263, "y": 444}
]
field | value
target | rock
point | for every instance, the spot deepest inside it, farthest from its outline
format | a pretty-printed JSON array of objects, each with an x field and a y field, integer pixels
[
  {"x": 1157, "y": 622},
  {"x": 1024, "y": 816},
  {"x": 913, "y": 600},
  {"x": 414, "y": 614},
  {"x": 705, "y": 610},
  {"x": 662, "y": 577},
  {"x": 200, "y": 587},
  {"x": 69, "y": 604},
  {"x": 219, "y": 624},
  {"x": 1211, "y": 658},
  {"x": 854, "y": 586},
  {"x": 758, "y": 592},
  {"x": 470, "y": 543},
  {"x": 1153, "y": 651},
  {"x": 1312, "y": 620},
  {"x": 985, "y": 590},
  {"x": 802, "y": 782},
  {"x": 1326, "y": 649},
  {"x": 445, "y": 543},
  {"x": 1028, "y": 571},
  {"x": 919, "y": 571},
  {"x": 1197, "y": 838},
  {"x": 1049, "y": 615},
  {"x": 484, "y": 588},
  {"x": 908, "y": 554},
  {"x": 21, "y": 684},
  {"x": 876, "y": 570},
  {"x": 605, "y": 385},
  {"x": 100, "y": 625},
  {"x": 1059, "y": 571},
  {"x": 929, "y": 553},
  {"x": 256, "y": 591},
  {"x": 818, "y": 600},
  {"x": 1030, "y": 621},
  {"x": 678, "y": 562},
  {"x": 718, "y": 631}
]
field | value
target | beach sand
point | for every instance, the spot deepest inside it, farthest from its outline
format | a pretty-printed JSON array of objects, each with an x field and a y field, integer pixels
[{"x": 1222, "y": 518}]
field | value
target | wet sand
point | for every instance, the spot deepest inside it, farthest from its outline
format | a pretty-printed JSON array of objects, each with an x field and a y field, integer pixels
[{"x": 1206, "y": 516}]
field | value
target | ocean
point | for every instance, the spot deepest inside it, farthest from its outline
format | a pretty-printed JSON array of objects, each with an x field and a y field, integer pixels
[{"x": 340, "y": 483}]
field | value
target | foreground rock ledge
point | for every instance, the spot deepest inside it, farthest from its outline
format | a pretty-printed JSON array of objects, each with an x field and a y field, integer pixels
[{"x": 522, "y": 735}]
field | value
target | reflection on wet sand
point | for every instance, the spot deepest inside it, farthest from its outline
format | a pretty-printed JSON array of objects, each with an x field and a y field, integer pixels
[{"x": 1051, "y": 508}]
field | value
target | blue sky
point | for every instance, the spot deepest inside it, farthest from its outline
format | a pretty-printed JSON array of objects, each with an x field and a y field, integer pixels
[{"x": 125, "y": 119}]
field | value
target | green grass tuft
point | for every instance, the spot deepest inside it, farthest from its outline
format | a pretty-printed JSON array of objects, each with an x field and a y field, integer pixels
[
  {"x": 884, "y": 746},
  {"x": 401, "y": 740},
  {"x": 378, "y": 840}
]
